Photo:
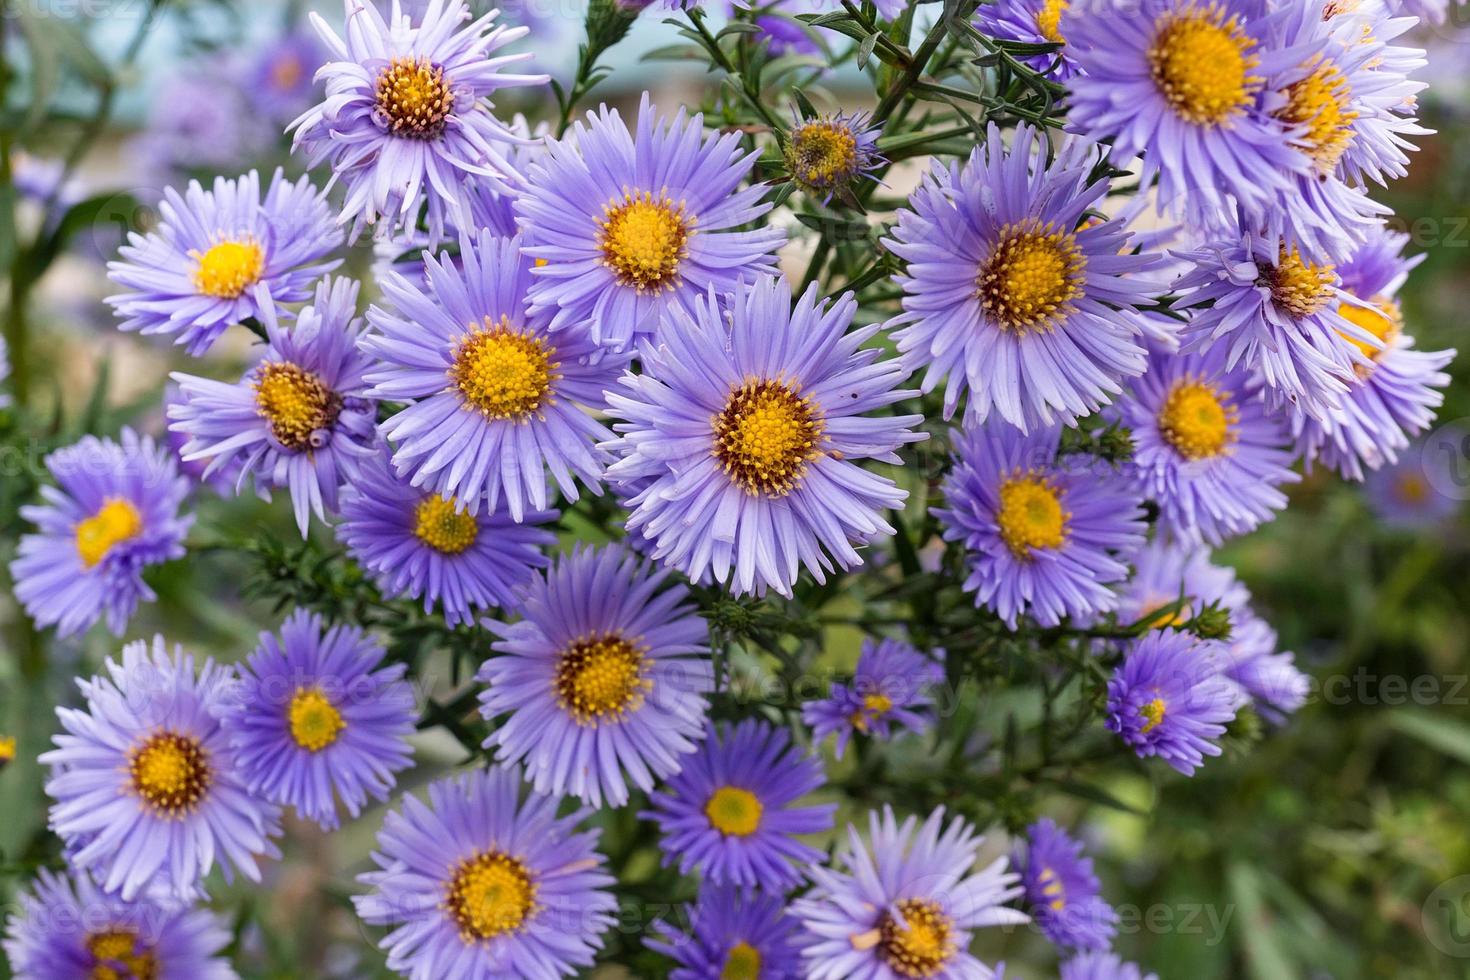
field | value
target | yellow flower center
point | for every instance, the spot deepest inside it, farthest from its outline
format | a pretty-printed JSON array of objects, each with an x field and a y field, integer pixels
[
  {"x": 503, "y": 373},
  {"x": 1411, "y": 488},
  {"x": 116, "y": 521},
  {"x": 228, "y": 268},
  {"x": 643, "y": 240},
  {"x": 1382, "y": 320},
  {"x": 743, "y": 962},
  {"x": 1297, "y": 286},
  {"x": 1179, "y": 617},
  {"x": 1320, "y": 102},
  {"x": 1201, "y": 62},
  {"x": 413, "y": 98},
  {"x": 734, "y": 812},
  {"x": 1049, "y": 20},
  {"x": 766, "y": 435},
  {"x": 315, "y": 721},
  {"x": 875, "y": 706},
  {"x": 118, "y": 954},
  {"x": 601, "y": 678},
  {"x": 490, "y": 894},
  {"x": 1052, "y": 889},
  {"x": 1198, "y": 419},
  {"x": 1153, "y": 715},
  {"x": 1031, "y": 514},
  {"x": 1031, "y": 278},
  {"x": 287, "y": 71},
  {"x": 170, "y": 772},
  {"x": 295, "y": 402},
  {"x": 439, "y": 523},
  {"x": 822, "y": 154},
  {"x": 7, "y": 750},
  {"x": 919, "y": 944}
]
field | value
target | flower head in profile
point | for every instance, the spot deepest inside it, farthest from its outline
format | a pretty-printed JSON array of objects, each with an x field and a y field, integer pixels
[
  {"x": 1102, "y": 966},
  {"x": 113, "y": 512},
  {"x": 1169, "y": 699},
  {"x": 222, "y": 256},
  {"x": 416, "y": 543},
  {"x": 1013, "y": 294},
  {"x": 146, "y": 787},
  {"x": 731, "y": 811},
  {"x": 486, "y": 882},
  {"x": 317, "y": 718},
  {"x": 1206, "y": 448},
  {"x": 734, "y": 934},
  {"x": 891, "y": 692},
  {"x": 604, "y": 679},
  {"x": 627, "y": 224},
  {"x": 65, "y": 927},
  {"x": 406, "y": 123},
  {"x": 1062, "y": 891},
  {"x": 1031, "y": 22},
  {"x": 828, "y": 154},
  {"x": 497, "y": 402},
  {"x": 746, "y": 439},
  {"x": 1045, "y": 537},
  {"x": 905, "y": 904},
  {"x": 301, "y": 419}
]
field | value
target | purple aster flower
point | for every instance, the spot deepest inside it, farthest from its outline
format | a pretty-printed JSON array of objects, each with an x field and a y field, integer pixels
[
  {"x": 1393, "y": 396},
  {"x": 629, "y": 225},
  {"x": 1168, "y": 699},
  {"x": 734, "y": 934},
  {"x": 1102, "y": 966},
  {"x": 892, "y": 685},
  {"x": 1408, "y": 495},
  {"x": 1062, "y": 891},
  {"x": 280, "y": 78},
  {"x": 787, "y": 36},
  {"x": 407, "y": 120},
  {"x": 424, "y": 546},
  {"x": 199, "y": 118},
  {"x": 317, "y": 716},
  {"x": 1276, "y": 313},
  {"x": 729, "y": 812},
  {"x": 486, "y": 882},
  {"x": 603, "y": 680},
  {"x": 146, "y": 785},
  {"x": 496, "y": 400},
  {"x": 113, "y": 513},
  {"x": 65, "y": 927},
  {"x": 222, "y": 256},
  {"x": 1030, "y": 22},
  {"x": 1026, "y": 306},
  {"x": 1268, "y": 677},
  {"x": 1182, "y": 83},
  {"x": 1044, "y": 537},
  {"x": 300, "y": 419},
  {"x": 751, "y": 436},
  {"x": 828, "y": 154},
  {"x": 1206, "y": 449},
  {"x": 905, "y": 905}
]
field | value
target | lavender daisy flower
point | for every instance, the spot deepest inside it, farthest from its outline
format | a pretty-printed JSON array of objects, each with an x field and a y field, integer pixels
[
  {"x": 496, "y": 399},
  {"x": 1027, "y": 310},
  {"x": 735, "y": 934},
  {"x": 1168, "y": 699},
  {"x": 1102, "y": 966},
  {"x": 891, "y": 686},
  {"x": 486, "y": 882},
  {"x": 729, "y": 812},
  {"x": 604, "y": 679},
  {"x": 300, "y": 419},
  {"x": 751, "y": 435},
  {"x": 1268, "y": 677},
  {"x": 1045, "y": 537},
  {"x": 1062, "y": 891},
  {"x": 280, "y": 79},
  {"x": 1407, "y": 494},
  {"x": 1031, "y": 22},
  {"x": 905, "y": 905},
  {"x": 1182, "y": 83},
  {"x": 629, "y": 225},
  {"x": 1206, "y": 450},
  {"x": 830, "y": 153},
  {"x": 113, "y": 513},
  {"x": 316, "y": 717},
  {"x": 66, "y": 927},
  {"x": 406, "y": 123},
  {"x": 222, "y": 256},
  {"x": 1393, "y": 396},
  {"x": 424, "y": 546},
  {"x": 146, "y": 784}
]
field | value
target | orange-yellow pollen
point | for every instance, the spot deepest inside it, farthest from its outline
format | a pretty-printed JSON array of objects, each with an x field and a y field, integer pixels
[
  {"x": 1031, "y": 515},
  {"x": 1052, "y": 889},
  {"x": 1049, "y": 20},
  {"x": 413, "y": 98},
  {"x": 119, "y": 954},
  {"x": 170, "y": 772},
  {"x": 295, "y": 402},
  {"x": 822, "y": 154},
  {"x": 644, "y": 240},
  {"x": 743, "y": 962},
  {"x": 1382, "y": 320},
  {"x": 315, "y": 721},
  {"x": 439, "y": 523},
  {"x": 919, "y": 941},
  {"x": 734, "y": 812},
  {"x": 1201, "y": 62},
  {"x": 489, "y": 895},
  {"x": 1152, "y": 714},
  {"x": 504, "y": 373},
  {"x": 1198, "y": 419},
  {"x": 1299, "y": 287},
  {"x": 228, "y": 268},
  {"x": 601, "y": 679},
  {"x": 1320, "y": 105},
  {"x": 1032, "y": 277},
  {"x": 766, "y": 436},
  {"x": 116, "y": 521}
]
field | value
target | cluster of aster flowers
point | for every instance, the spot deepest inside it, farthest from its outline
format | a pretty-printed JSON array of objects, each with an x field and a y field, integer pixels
[{"x": 604, "y": 312}]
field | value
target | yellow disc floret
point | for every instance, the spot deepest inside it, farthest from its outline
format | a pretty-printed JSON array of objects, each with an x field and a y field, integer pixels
[
  {"x": 1049, "y": 20},
  {"x": 170, "y": 772},
  {"x": 919, "y": 941},
  {"x": 1032, "y": 277},
  {"x": 601, "y": 678},
  {"x": 644, "y": 239},
  {"x": 1198, "y": 419},
  {"x": 412, "y": 98},
  {"x": 439, "y": 523},
  {"x": 822, "y": 154},
  {"x": 504, "y": 373},
  {"x": 489, "y": 895},
  {"x": 315, "y": 721},
  {"x": 1031, "y": 515},
  {"x": 1201, "y": 62},
  {"x": 1321, "y": 105},
  {"x": 1299, "y": 287},
  {"x": 228, "y": 268},
  {"x": 1152, "y": 714},
  {"x": 116, "y": 521},
  {"x": 295, "y": 402},
  {"x": 766, "y": 436},
  {"x": 1382, "y": 320},
  {"x": 119, "y": 954},
  {"x": 734, "y": 812},
  {"x": 743, "y": 962}
]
